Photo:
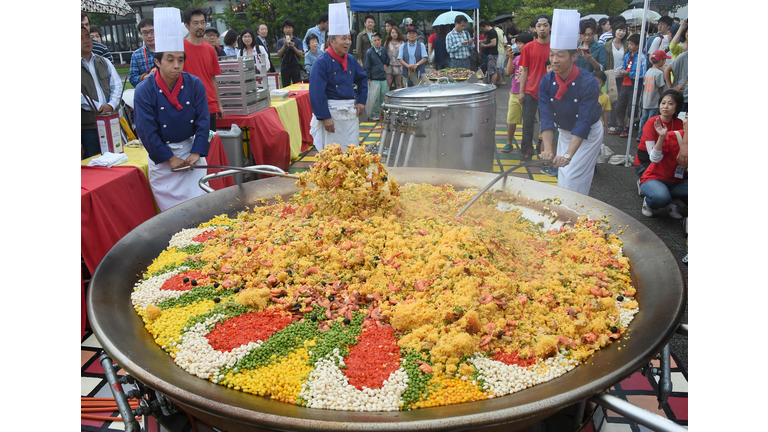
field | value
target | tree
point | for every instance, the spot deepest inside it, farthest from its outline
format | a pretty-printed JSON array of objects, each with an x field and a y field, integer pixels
[{"x": 585, "y": 7}]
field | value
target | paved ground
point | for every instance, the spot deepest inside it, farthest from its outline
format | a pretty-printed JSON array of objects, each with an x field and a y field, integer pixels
[{"x": 617, "y": 186}]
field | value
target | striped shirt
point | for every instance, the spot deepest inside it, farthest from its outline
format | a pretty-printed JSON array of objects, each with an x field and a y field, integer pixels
[
  {"x": 604, "y": 37},
  {"x": 102, "y": 50},
  {"x": 453, "y": 44}
]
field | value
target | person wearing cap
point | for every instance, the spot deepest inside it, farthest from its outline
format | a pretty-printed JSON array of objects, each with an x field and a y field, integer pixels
[
  {"x": 407, "y": 22},
  {"x": 211, "y": 37},
  {"x": 335, "y": 104},
  {"x": 171, "y": 112},
  {"x": 412, "y": 56},
  {"x": 568, "y": 100},
  {"x": 101, "y": 83},
  {"x": 457, "y": 43},
  {"x": 142, "y": 60}
]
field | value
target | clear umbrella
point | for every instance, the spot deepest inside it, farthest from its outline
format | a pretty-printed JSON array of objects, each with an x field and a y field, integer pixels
[
  {"x": 634, "y": 16},
  {"x": 596, "y": 17},
  {"x": 448, "y": 18},
  {"x": 117, "y": 7}
]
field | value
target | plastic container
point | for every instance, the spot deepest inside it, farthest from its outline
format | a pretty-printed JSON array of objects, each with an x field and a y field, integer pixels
[{"x": 232, "y": 140}]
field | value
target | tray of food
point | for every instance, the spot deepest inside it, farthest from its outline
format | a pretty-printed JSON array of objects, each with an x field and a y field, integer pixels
[{"x": 453, "y": 74}]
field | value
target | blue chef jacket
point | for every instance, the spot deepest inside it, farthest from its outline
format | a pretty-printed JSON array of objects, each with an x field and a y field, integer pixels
[
  {"x": 576, "y": 111},
  {"x": 159, "y": 123},
  {"x": 327, "y": 80}
]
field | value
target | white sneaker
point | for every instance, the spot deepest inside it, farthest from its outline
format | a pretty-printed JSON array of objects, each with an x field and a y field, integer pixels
[
  {"x": 672, "y": 210},
  {"x": 646, "y": 209}
]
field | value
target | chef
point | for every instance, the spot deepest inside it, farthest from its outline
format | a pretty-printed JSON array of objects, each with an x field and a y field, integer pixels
[
  {"x": 568, "y": 101},
  {"x": 172, "y": 117},
  {"x": 335, "y": 104}
]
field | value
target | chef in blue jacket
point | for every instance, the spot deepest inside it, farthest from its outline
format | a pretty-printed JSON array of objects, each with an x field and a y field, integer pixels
[
  {"x": 172, "y": 118},
  {"x": 335, "y": 104},
  {"x": 568, "y": 100}
]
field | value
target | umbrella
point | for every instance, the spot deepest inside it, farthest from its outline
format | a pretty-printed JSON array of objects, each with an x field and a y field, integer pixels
[
  {"x": 636, "y": 15},
  {"x": 660, "y": 3},
  {"x": 117, "y": 7},
  {"x": 596, "y": 17},
  {"x": 448, "y": 18},
  {"x": 502, "y": 18}
]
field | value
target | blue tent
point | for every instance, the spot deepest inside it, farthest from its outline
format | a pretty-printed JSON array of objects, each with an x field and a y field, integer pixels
[{"x": 411, "y": 5}]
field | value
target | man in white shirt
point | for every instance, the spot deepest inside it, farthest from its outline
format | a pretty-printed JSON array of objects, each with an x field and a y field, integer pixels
[
  {"x": 662, "y": 42},
  {"x": 101, "y": 83}
]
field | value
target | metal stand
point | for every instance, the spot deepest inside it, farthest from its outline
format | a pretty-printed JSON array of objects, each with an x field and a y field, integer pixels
[{"x": 150, "y": 401}]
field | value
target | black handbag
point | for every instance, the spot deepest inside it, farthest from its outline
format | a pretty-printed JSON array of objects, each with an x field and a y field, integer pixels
[{"x": 304, "y": 74}]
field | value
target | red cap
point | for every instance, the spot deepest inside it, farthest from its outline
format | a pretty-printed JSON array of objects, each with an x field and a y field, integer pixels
[{"x": 658, "y": 55}]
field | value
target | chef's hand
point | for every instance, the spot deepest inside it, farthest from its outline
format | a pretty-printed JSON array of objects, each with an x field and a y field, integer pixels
[
  {"x": 328, "y": 125},
  {"x": 192, "y": 159},
  {"x": 559, "y": 161},
  {"x": 360, "y": 109},
  {"x": 176, "y": 162},
  {"x": 106, "y": 108},
  {"x": 546, "y": 155}
]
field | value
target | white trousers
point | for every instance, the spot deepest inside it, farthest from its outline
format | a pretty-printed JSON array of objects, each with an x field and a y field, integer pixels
[
  {"x": 345, "y": 124},
  {"x": 172, "y": 188},
  {"x": 577, "y": 175}
]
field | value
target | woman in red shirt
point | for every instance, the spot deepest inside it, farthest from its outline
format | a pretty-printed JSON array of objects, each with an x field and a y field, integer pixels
[
  {"x": 669, "y": 108},
  {"x": 665, "y": 179}
]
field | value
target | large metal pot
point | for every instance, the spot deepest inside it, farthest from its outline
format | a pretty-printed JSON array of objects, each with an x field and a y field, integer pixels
[
  {"x": 457, "y": 131},
  {"x": 655, "y": 273}
]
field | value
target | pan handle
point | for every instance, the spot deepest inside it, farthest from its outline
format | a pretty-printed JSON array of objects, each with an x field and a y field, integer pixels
[
  {"x": 260, "y": 169},
  {"x": 638, "y": 415}
]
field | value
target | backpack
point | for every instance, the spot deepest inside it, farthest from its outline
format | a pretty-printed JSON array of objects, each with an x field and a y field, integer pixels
[{"x": 648, "y": 44}]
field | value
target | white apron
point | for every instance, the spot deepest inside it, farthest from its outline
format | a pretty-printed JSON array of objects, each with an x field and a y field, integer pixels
[
  {"x": 577, "y": 175},
  {"x": 172, "y": 188},
  {"x": 345, "y": 124}
]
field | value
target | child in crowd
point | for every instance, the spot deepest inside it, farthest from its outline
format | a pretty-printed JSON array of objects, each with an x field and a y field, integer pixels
[
  {"x": 603, "y": 99},
  {"x": 627, "y": 72},
  {"x": 653, "y": 88},
  {"x": 547, "y": 168},
  {"x": 376, "y": 59},
  {"x": 515, "y": 111}
]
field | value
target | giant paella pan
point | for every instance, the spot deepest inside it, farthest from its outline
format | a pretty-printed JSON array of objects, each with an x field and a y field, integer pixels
[{"x": 661, "y": 295}]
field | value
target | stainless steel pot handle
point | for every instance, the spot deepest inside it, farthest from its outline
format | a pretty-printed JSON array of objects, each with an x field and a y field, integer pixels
[{"x": 259, "y": 169}]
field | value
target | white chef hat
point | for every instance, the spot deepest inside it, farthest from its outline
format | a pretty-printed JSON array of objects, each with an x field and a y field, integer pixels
[
  {"x": 167, "y": 23},
  {"x": 565, "y": 29},
  {"x": 338, "y": 21}
]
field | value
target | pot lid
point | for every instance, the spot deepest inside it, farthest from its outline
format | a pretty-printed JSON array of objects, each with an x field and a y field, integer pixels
[{"x": 441, "y": 90}]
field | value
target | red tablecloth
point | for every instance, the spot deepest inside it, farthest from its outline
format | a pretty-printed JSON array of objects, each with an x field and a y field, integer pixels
[
  {"x": 113, "y": 201},
  {"x": 267, "y": 138},
  {"x": 218, "y": 156},
  {"x": 305, "y": 117}
]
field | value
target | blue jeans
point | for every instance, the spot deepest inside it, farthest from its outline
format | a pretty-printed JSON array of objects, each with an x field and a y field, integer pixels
[
  {"x": 530, "y": 107},
  {"x": 660, "y": 193},
  {"x": 647, "y": 113},
  {"x": 456, "y": 63}
]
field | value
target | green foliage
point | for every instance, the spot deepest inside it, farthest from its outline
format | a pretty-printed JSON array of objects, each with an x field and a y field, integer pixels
[
  {"x": 182, "y": 5},
  {"x": 303, "y": 13},
  {"x": 585, "y": 7}
]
